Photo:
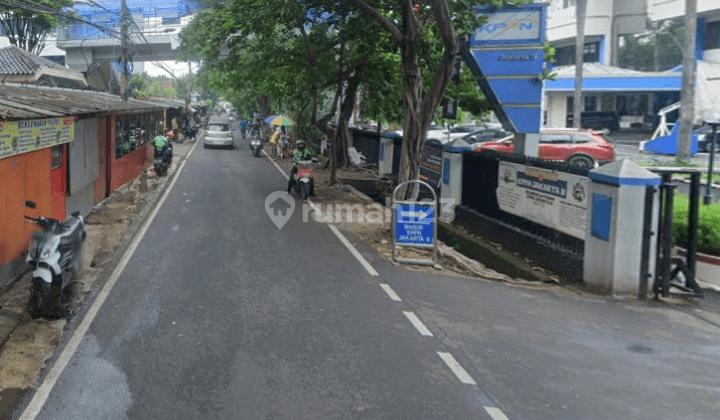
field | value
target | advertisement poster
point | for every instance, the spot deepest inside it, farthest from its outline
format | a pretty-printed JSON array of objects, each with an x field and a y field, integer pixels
[
  {"x": 550, "y": 198},
  {"x": 18, "y": 137}
]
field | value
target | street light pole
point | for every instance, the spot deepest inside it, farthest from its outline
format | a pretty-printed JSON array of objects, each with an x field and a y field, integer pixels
[
  {"x": 708, "y": 188},
  {"x": 123, "y": 51}
]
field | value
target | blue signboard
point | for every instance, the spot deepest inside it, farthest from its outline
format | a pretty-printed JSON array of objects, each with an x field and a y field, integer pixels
[
  {"x": 510, "y": 25},
  {"x": 414, "y": 225},
  {"x": 506, "y": 53}
]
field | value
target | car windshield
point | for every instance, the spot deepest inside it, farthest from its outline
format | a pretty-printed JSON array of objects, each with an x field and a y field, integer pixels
[{"x": 218, "y": 127}]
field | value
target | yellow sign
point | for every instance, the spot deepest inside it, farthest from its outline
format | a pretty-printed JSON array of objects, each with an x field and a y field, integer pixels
[{"x": 18, "y": 137}]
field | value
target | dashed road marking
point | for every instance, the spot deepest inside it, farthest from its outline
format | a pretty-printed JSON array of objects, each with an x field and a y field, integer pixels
[
  {"x": 456, "y": 368},
  {"x": 422, "y": 329},
  {"x": 354, "y": 251},
  {"x": 390, "y": 292},
  {"x": 496, "y": 413}
]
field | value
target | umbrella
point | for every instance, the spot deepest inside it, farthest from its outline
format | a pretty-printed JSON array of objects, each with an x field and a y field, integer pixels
[
  {"x": 270, "y": 118},
  {"x": 282, "y": 120}
]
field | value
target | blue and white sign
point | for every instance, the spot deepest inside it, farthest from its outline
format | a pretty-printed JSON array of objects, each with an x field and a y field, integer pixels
[
  {"x": 506, "y": 53},
  {"x": 414, "y": 225},
  {"x": 511, "y": 26}
]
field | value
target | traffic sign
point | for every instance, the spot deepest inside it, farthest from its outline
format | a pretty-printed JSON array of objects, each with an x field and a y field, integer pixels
[{"x": 415, "y": 225}]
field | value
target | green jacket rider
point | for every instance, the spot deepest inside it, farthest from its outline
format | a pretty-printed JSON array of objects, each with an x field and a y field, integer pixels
[
  {"x": 159, "y": 142},
  {"x": 302, "y": 153}
]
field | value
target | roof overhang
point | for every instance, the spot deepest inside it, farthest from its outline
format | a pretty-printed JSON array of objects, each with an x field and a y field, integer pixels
[{"x": 640, "y": 83}]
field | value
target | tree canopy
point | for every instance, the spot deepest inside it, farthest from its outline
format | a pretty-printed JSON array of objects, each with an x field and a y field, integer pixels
[
  {"x": 317, "y": 59},
  {"x": 27, "y": 28}
]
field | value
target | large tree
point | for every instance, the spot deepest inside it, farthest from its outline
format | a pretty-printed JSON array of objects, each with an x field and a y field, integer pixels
[
  {"x": 410, "y": 24},
  {"x": 29, "y": 27}
]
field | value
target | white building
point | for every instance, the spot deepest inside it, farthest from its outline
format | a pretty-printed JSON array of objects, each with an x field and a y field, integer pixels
[{"x": 635, "y": 96}]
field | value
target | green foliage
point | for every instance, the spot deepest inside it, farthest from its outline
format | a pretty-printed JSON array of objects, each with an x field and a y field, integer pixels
[
  {"x": 143, "y": 85},
  {"x": 28, "y": 29},
  {"x": 708, "y": 235},
  {"x": 657, "y": 50}
]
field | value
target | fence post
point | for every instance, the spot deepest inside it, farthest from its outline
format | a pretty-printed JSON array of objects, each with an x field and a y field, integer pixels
[
  {"x": 452, "y": 182},
  {"x": 614, "y": 244},
  {"x": 385, "y": 156}
]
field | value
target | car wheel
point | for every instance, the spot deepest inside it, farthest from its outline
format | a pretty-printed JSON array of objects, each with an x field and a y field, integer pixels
[
  {"x": 707, "y": 148},
  {"x": 205, "y": 146},
  {"x": 582, "y": 161}
]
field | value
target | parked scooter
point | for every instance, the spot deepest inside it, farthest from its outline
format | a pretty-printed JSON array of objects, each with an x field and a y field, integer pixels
[
  {"x": 304, "y": 179},
  {"x": 163, "y": 160},
  {"x": 55, "y": 255}
]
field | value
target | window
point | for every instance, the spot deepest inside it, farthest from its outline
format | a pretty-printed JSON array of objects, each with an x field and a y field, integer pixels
[
  {"x": 122, "y": 136},
  {"x": 590, "y": 103},
  {"x": 712, "y": 36},
  {"x": 555, "y": 138},
  {"x": 57, "y": 157},
  {"x": 565, "y": 56},
  {"x": 635, "y": 105},
  {"x": 581, "y": 138}
]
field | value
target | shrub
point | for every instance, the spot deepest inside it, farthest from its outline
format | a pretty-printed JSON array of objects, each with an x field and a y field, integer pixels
[{"x": 708, "y": 235}]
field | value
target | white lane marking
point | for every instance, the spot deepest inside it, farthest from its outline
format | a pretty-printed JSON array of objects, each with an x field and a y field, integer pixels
[
  {"x": 456, "y": 368},
  {"x": 496, "y": 413},
  {"x": 277, "y": 166},
  {"x": 43, "y": 392},
  {"x": 342, "y": 238},
  {"x": 422, "y": 329},
  {"x": 390, "y": 292},
  {"x": 354, "y": 251}
]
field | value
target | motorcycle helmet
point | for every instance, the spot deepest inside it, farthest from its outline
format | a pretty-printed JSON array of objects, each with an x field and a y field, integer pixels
[{"x": 170, "y": 134}]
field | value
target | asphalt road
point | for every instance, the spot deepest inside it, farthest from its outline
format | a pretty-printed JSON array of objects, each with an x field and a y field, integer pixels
[{"x": 221, "y": 315}]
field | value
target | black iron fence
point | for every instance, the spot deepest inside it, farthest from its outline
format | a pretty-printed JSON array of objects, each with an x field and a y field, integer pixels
[{"x": 480, "y": 212}]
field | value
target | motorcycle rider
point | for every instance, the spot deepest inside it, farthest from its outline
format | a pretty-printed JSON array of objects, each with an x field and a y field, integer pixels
[{"x": 300, "y": 153}]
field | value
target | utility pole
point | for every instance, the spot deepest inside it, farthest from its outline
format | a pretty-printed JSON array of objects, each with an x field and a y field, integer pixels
[
  {"x": 578, "y": 103},
  {"x": 124, "y": 50},
  {"x": 687, "y": 97}
]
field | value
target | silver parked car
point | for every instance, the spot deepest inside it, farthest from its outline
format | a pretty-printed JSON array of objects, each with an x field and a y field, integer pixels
[{"x": 218, "y": 134}]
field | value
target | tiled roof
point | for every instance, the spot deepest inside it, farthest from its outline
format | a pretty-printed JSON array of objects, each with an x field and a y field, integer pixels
[
  {"x": 16, "y": 61},
  {"x": 18, "y": 102}
]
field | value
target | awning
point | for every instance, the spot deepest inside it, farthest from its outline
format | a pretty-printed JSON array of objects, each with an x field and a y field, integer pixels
[{"x": 599, "y": 78}]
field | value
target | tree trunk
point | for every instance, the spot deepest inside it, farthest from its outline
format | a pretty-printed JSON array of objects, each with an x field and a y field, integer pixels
[
  {"x": 578, "y": 103},
  {"x": 687, "y": 98},
  {"x": 343, "y": 137}
]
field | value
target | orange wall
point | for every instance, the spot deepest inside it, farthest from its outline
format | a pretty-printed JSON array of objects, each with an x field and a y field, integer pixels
[{"x": 24, "y": 177}]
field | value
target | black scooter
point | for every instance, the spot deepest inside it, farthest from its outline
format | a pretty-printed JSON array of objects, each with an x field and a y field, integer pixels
[
  {"x": 55, "y": 256},
  {"x": 163, "y": 159}
]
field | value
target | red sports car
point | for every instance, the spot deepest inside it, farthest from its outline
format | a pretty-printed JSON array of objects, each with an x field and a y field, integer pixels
[{"x": 585, "y": 148}]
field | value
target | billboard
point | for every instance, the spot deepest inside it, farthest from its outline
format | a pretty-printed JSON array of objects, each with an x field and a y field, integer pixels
[{"x": 18, "y": 137}]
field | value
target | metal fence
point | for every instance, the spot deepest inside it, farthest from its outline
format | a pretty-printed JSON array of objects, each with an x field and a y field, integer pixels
[{"x": 480, "y": 182}]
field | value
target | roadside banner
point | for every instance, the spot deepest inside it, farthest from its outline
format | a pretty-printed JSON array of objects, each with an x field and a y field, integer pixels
[
  {"x": 18, "y": 137},
  {"x": 554, "y": 199}
]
